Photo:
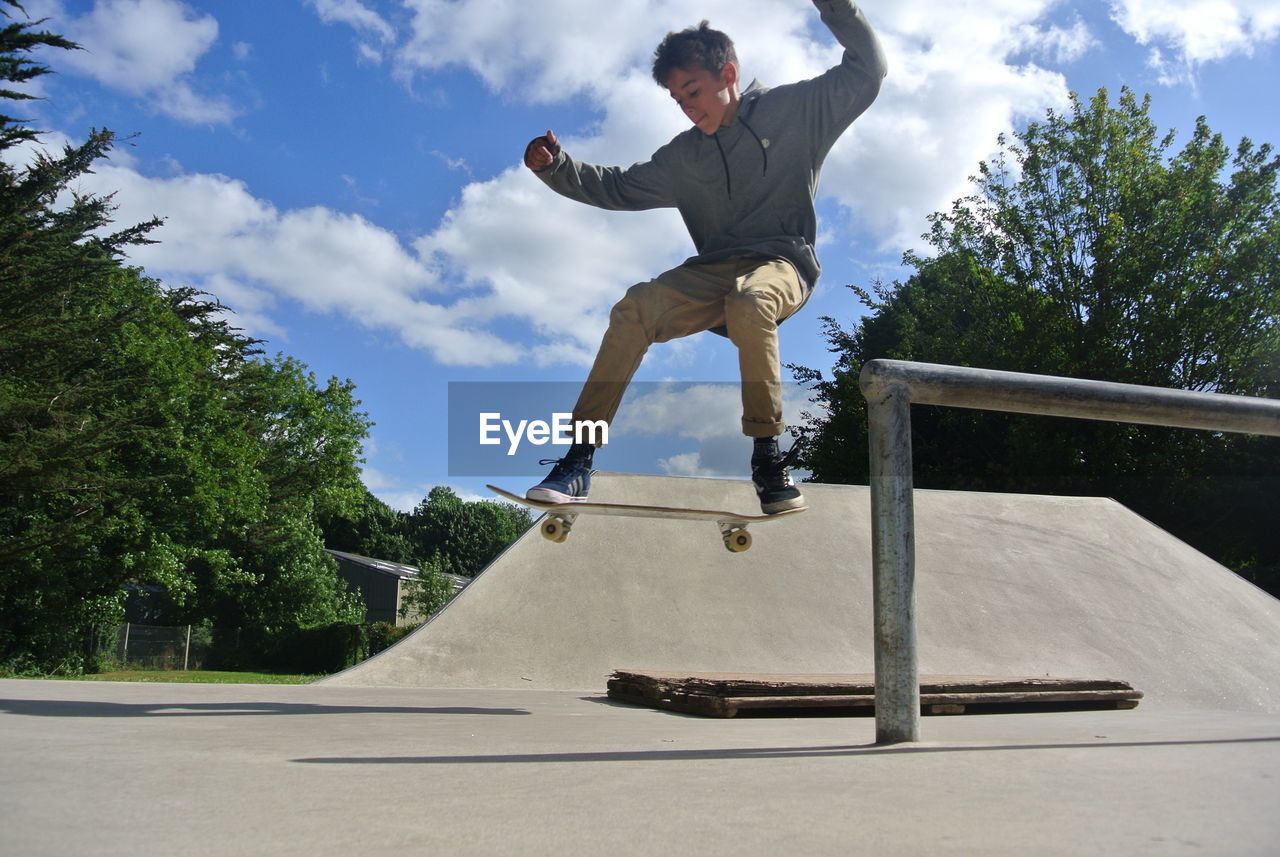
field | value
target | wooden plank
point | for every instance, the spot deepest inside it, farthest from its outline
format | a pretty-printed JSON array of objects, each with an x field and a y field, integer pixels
[
  {"x": 725, "y": 694},
  {"x": 739, "y": 684}
]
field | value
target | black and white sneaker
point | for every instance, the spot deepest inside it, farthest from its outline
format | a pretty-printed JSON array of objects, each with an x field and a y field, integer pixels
[
  {"x": 770, "y": 475},
  {"x": 569, "y": 481}
]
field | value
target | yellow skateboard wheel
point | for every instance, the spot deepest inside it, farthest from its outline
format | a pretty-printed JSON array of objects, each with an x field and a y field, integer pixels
[
  {"x": 737, "y": 541},
  {"x": 555, "y": 530}
]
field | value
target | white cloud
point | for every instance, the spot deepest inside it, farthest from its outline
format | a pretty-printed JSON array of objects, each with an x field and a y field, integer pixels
[
  {"x": 1196, "y": 31},
  {"x": 1059, "y": 44},
  {"x": 524, "y": 47},
  {"x": 392, "y": 490},
  {"x": 375, "y": 480},
  {"x": 553, "y": 60},
  {"x": 221, "y": 238},
  {"x": 362, "y": 19},
  {"x": 355, "y": 14},
  {"x": 446, "y": 293},
  {"x": 520, "y": 251},
  {"x": 250, "y": 306},
  {"x": 369, "y": 53},
  {"x": 146, "y": 48},
  {"x": 955, "y": 83},
  {"x": 401, "y": 501}
]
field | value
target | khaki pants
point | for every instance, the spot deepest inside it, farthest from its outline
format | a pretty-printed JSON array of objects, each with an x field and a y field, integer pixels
[{"x": 748, "y": 297}]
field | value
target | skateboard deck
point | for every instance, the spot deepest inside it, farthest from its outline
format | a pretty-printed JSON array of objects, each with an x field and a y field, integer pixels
[{"x": 559, "y": 517}]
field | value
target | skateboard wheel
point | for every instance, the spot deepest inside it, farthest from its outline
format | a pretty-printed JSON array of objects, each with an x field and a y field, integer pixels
[
  {"x": 737, "y": 541},
  {"x": 555, "y": 530}
]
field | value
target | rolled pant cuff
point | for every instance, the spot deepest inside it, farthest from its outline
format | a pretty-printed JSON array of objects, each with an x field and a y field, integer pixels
[{"x": 756, "y": 428}]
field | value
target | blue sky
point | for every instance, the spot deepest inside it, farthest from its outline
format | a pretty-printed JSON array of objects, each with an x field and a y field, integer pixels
[{"x": 345, "y": 174}]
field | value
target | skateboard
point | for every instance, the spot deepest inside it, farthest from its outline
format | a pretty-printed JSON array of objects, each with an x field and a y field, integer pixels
[{"x": 558, "y": 519}]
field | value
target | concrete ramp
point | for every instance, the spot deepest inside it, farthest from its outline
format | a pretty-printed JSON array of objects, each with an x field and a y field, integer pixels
[{"x": 1007, "y": 584}]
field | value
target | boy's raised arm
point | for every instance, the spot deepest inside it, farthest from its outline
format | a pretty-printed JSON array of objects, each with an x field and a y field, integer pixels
[
  {"x": 850, "y": 27},
  {"x": 843, "y": 92},
  {"x": 636, "y": 188}
]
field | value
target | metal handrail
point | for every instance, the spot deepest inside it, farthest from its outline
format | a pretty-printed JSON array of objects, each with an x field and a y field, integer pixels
[{"x": 891, "y": 387}]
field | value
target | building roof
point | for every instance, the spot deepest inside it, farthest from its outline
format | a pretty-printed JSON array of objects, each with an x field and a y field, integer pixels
[
  {"x": 391, "y": 569},
  {"x": 382, "y": 566}
]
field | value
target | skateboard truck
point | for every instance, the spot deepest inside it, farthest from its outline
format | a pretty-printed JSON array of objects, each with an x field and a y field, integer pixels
[{"x": 556, "y": 528}]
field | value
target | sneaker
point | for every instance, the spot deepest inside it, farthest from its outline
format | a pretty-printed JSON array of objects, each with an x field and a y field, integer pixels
[
  {"x": 774, "y": 486},
  {"x": 570, "y": 479}
]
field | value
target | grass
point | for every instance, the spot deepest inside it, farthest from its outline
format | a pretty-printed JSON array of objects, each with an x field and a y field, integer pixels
[{"x": 193, "y": 677}]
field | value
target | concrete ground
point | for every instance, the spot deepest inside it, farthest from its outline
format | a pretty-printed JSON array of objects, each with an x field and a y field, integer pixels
[{"x": 95, "y": 768}]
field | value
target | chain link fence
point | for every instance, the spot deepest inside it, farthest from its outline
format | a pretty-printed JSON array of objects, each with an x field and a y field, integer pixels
[{"x": 182, "y": 647}]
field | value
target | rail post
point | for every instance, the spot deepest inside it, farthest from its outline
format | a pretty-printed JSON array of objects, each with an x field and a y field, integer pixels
[{"x": 893, "y": 566}]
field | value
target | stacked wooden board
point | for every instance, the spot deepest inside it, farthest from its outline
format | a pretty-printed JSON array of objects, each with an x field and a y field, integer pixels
[{"x": 727, "y": 694}]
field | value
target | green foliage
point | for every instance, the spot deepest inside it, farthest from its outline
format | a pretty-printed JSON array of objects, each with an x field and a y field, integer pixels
[
  {"x": 383, "y": 635},
  {"x": 142, "y": 438},
  {"x": 374, "y": 529},
  {"x": 430, "y": 590},
  {"x": 470, "y": 535},
  {"x": 316, "y": 650},
  {"x": 1161, "y": 268},
  {"x": 17, "y": 41},
  {"x": 442, "y": 532},
  {"x": 1089, "y": 249}
]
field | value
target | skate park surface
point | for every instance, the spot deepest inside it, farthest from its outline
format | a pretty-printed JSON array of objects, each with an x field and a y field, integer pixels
[{"x": 488, "y": 730}]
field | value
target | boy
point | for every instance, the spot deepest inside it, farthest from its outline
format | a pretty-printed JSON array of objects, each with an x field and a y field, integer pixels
[{"x": 744, "y": 180}]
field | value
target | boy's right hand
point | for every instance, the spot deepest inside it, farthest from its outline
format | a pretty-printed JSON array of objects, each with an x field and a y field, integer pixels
[{"x": 541, "y": 152}]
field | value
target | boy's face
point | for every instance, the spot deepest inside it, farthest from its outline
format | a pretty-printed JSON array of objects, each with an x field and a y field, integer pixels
[{"x": 709, "y": 100}]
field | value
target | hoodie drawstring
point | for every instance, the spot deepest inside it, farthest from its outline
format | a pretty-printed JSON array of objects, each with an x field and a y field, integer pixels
[
  {"x": 727, "y": 179},
  {"x": 764, "y": 152}
]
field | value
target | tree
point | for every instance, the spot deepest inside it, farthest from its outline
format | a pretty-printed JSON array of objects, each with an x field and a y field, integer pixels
[
  {"x": 142, "y": 438},
  {"x": 17, "y": 42},
  {"x": 374, "y": 529},
  {"x": 1089, "y": 250},
  {"x": 430, "y": 590},
  {"x": 470, "y": 535},
  {"x": 57, "y": 485},
  {"x": 307, "y": 443}
]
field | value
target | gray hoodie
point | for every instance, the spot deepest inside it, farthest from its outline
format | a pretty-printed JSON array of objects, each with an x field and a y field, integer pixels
[{"x": 748, "y": 190}]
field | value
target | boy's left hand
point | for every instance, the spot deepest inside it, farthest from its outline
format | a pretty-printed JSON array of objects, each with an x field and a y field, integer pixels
[{"x": 541, "y": 152}]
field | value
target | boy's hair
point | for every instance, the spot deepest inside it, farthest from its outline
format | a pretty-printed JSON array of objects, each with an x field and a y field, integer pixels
[{"x": 694, "y": 48}]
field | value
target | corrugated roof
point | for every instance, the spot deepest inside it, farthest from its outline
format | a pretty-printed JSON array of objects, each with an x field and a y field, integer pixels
[{"x": 393, "y": 569}]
